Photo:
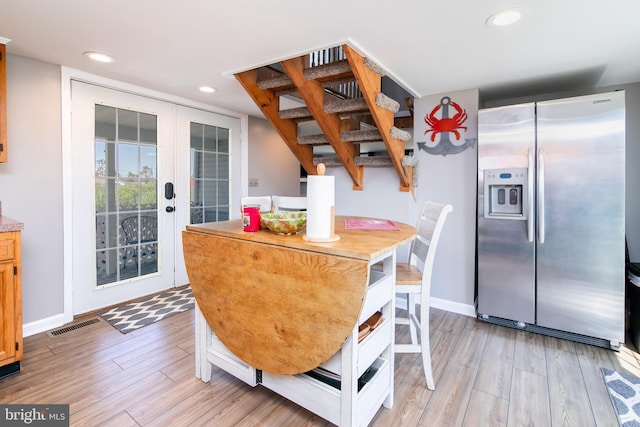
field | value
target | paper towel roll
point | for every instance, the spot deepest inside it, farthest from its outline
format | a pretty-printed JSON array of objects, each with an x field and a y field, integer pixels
[{"x": 320, "y": 208}]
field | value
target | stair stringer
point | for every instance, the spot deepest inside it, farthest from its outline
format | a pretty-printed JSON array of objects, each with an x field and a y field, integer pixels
[
  {"x": 370, "y": 84},
  {"x": 269, "y": 103},
  {"x": 313, "y": 95}
]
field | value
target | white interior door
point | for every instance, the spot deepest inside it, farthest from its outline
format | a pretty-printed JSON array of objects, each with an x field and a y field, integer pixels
[{"x": 124, "y": 228}]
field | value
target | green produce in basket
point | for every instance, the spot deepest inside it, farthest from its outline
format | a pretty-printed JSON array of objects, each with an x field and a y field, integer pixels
[{"x": 284, "y": 222}]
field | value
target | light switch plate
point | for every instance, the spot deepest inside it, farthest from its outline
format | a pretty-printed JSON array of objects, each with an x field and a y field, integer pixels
[{"x": 253, "y": 182}]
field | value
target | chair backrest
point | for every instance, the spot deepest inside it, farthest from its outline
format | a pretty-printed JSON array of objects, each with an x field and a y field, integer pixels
[
  {"x": 289, "y": 203},
  {"x": 264, "y": 202},
  {"x": 423, "y": 248},
  {"x": 147, "y": 227}
]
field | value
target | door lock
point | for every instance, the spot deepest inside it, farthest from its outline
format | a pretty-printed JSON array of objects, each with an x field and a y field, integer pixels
[
  {"x": 170, "y": 209},
  {"x": 168, "y": 191}
]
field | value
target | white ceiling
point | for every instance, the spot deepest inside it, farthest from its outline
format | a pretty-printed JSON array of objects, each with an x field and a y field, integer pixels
[{"x": 429, "y": 47}]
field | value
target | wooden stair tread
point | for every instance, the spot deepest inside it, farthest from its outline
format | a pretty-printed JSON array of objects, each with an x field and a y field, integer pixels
[
  {"x": 345, "y": 106},
  {"x": 373, "y": 135},
  {"x": 332, "y": 85},
  {"x": 318, "y": 139},
  {"x": 331, "y": 71},
  {"x": 360, "y": 135},
  {"x": 323, "y": 73},
  {"x": 295, "y": 113},
  {"x": 371, "y": 161},
  {"x": 356, "y": 136},
  {"x": 327, "y": 74}
]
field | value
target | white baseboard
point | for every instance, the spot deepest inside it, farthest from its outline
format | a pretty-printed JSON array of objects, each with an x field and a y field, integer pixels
[
  {"x": 42, "y": 325},
  {"x": 443, "y": 304},
  {"x": 454, "y": 307}
]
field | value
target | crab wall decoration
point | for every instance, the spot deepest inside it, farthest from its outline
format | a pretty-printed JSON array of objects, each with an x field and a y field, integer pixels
[
  {"x": 445, "y": 123},
  {"x": 444, "y": 126}
]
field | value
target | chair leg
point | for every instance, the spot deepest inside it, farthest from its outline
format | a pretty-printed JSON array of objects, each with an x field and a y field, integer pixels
[
  {"x": 411, "y": 309},
  {"x": 426, "y": 346}
]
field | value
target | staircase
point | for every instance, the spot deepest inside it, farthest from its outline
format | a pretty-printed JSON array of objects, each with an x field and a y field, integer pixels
[{"x": 343, "y": 97}]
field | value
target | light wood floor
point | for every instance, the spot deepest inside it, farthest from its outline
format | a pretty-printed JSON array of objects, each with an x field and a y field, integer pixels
[{"x": 486, "y": 375}]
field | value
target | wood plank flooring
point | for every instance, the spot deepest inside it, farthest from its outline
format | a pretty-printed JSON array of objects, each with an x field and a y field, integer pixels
[{"x": 485, "y": 375}]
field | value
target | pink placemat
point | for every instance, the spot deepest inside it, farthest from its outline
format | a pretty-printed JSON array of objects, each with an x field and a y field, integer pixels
[{"x": 369, "y": 224}]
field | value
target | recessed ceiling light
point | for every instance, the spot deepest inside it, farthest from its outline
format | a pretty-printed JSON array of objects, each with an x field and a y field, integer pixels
[
  {"x": 100, "y": 57},
  {"x": 506, "y": 17},
  {"x": 208, "y": 89}
]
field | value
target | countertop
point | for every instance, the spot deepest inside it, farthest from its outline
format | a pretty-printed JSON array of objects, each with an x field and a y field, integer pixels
[{"x": 8, "y": 224}]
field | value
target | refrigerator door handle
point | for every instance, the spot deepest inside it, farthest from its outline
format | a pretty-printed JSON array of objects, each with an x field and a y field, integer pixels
[
  {"x": 530, "y": 216},
  {"x": 541, "y": 231}
]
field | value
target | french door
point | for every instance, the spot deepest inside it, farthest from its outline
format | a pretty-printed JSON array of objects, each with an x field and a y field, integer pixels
[
  {"x": 208, "y": 161},
  {"x": 130, "y": 201}
]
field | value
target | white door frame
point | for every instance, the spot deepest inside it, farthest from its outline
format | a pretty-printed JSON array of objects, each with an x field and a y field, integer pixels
[{"x": 69, "y": 74}]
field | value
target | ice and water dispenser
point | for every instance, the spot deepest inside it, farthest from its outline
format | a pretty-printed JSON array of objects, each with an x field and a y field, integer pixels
[{"x": 505, "y": 191}]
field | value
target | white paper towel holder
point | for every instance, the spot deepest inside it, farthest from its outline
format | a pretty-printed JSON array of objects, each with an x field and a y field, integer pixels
[{"x": 334, "y": 237}]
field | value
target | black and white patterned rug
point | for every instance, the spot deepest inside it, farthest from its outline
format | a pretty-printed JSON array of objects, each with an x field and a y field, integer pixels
[
  {"x": 624, "y": 391},
  {"x": 133, "y": 316}
]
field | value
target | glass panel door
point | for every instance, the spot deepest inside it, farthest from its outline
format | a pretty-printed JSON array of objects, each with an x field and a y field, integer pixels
[
  {"x": 209, "y": 180},
  {"x": 126, "y": 199},
  {"x": 126, "y": 235},
  {"x": 123, "y": 232}
]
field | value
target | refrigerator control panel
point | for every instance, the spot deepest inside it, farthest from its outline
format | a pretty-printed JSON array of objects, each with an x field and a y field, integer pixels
[{"x": 505, "y": 191}]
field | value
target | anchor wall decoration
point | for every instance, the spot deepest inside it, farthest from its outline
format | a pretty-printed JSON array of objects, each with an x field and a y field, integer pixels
[{"x": 444, "y": 127}]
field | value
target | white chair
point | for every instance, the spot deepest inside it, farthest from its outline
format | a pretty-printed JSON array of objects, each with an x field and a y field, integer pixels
[
  {"x": 263, "y": 201},
  {"x": 289, "y": 203},
  {"x": 414, "y": 279}
]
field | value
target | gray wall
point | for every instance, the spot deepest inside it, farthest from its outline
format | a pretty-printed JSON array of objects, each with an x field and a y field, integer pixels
[
  {"x": 271, "y": 162},
  {"x": 31, "y": 181},
  {"x": 452, "y": 179}
]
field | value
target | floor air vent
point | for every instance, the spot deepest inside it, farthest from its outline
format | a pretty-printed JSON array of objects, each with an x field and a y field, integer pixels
[{"x": 65, "y": 329}]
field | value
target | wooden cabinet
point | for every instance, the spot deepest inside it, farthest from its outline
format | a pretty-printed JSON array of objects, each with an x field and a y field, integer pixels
[
  {"x": 3, "y": 103},
  {"x": 10, "y": 304},
  {"x": 348, "y": 385}
]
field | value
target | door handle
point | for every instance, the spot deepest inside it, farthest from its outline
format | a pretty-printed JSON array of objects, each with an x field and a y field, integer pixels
[
  {"x": 541, "y": 225},
  {"x": 530, "y": 217}
]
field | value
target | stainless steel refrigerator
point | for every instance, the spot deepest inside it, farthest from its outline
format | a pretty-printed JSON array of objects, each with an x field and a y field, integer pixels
[{"x": 550, "y": 224}]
